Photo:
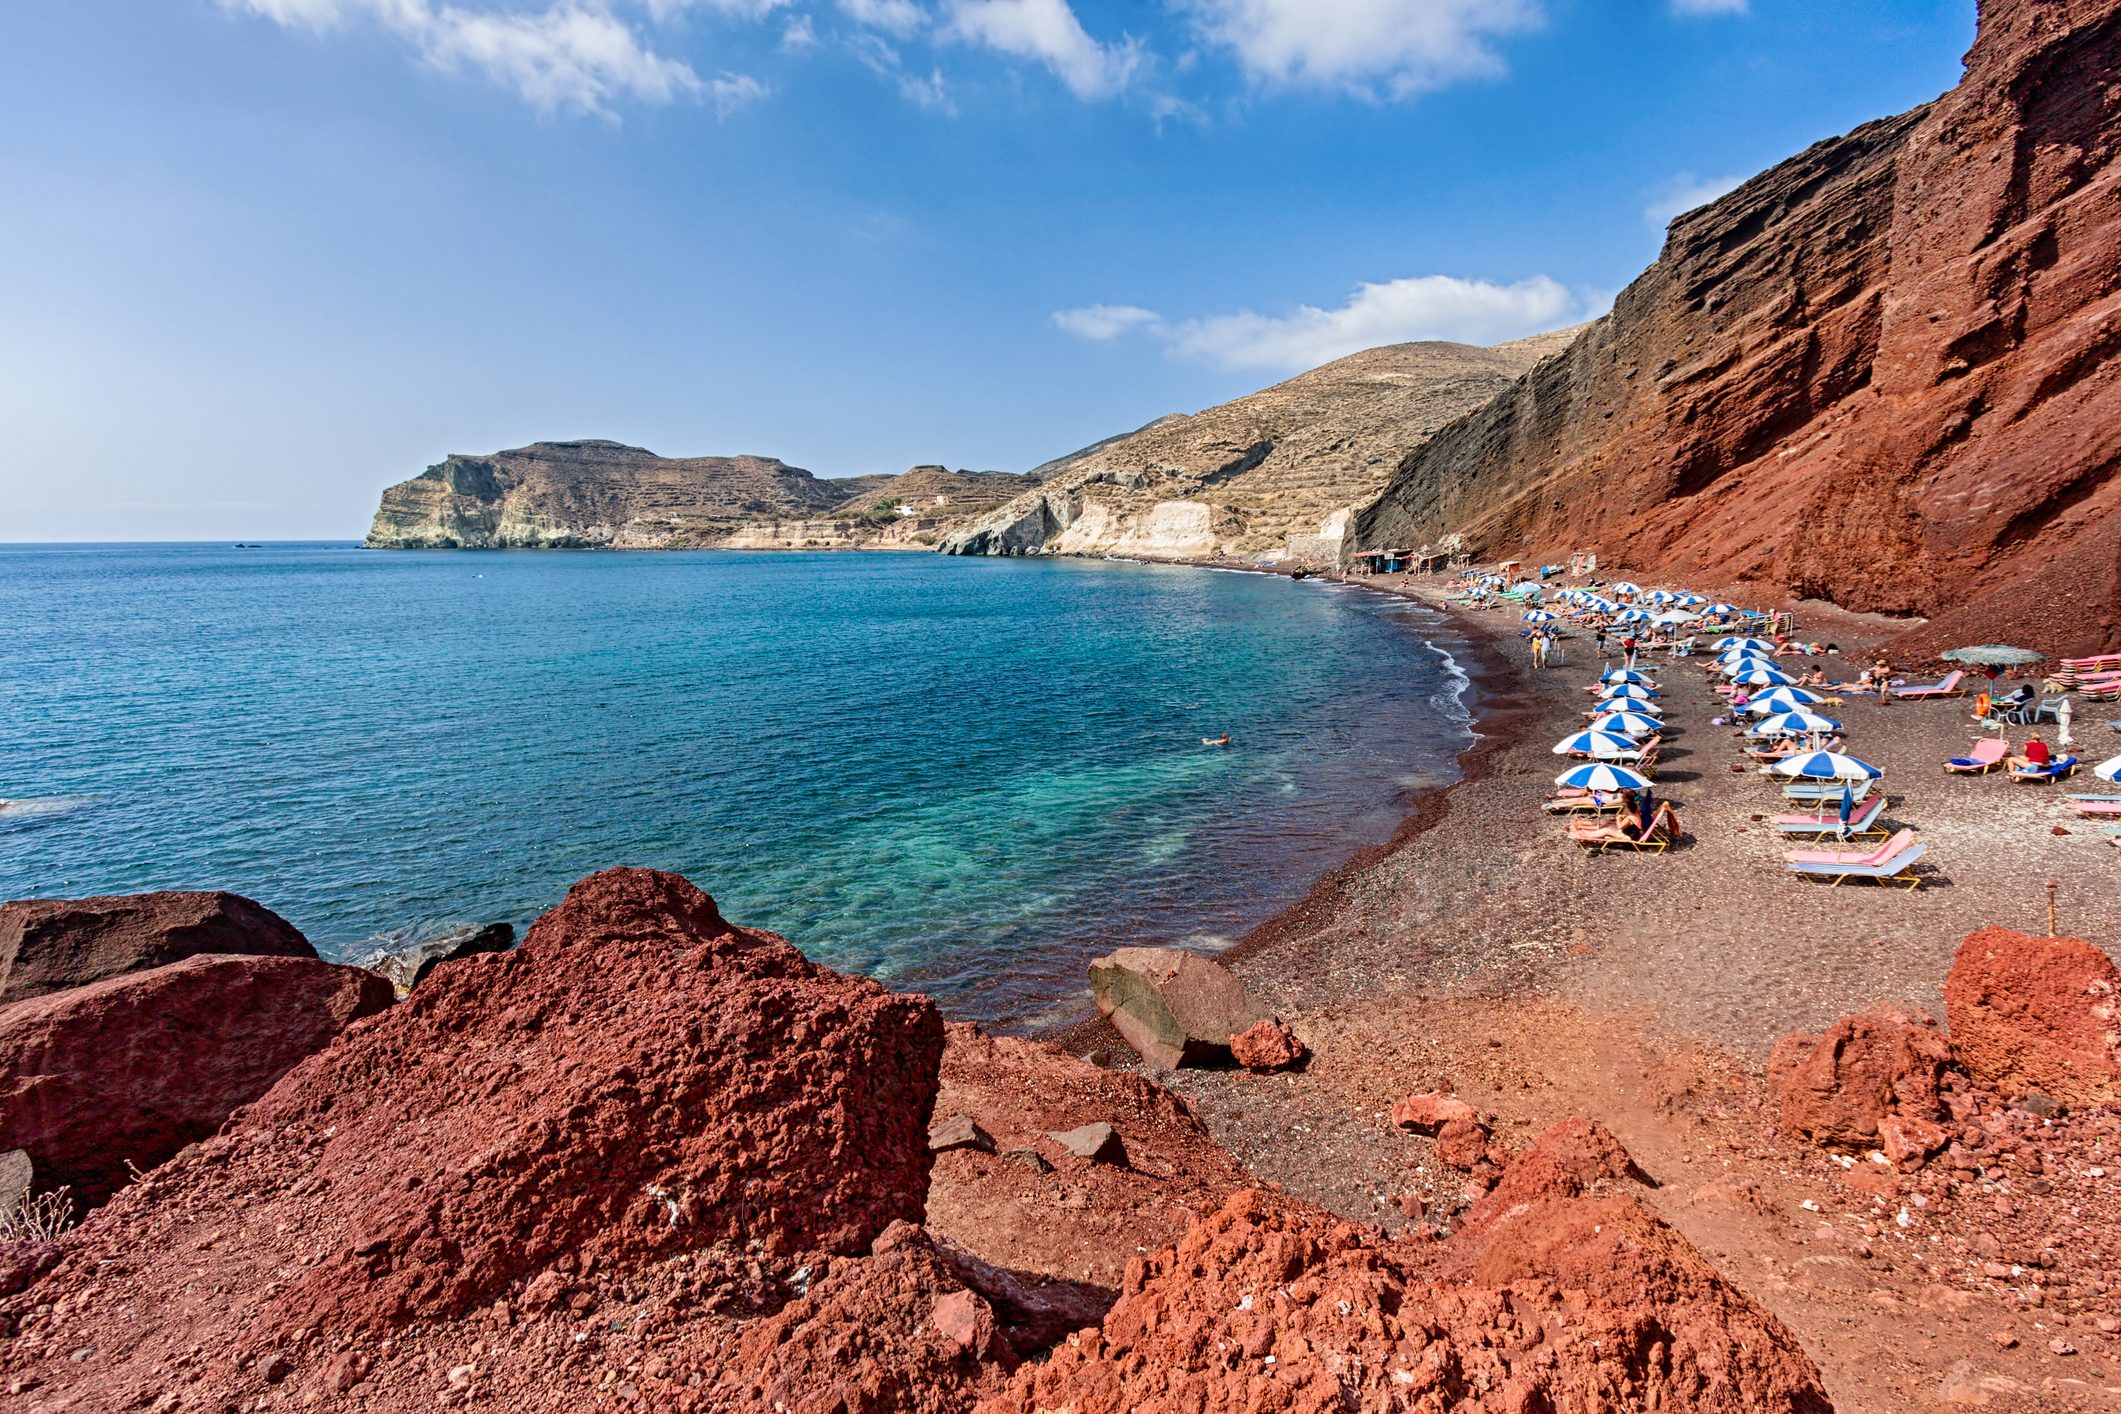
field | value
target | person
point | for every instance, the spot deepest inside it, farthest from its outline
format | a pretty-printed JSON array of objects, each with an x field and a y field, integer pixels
[
  {"x": 1539, "y": 648},
  {"x": 2035, "y": 754},
  {"x": 1601, "y": 640},
  {"x": 1812, "y": 677}
]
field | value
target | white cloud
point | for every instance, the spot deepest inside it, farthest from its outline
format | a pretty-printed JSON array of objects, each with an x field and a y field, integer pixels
[
  {"x": 1682, "y": 194},
  {"x": 1048, "y": 31},
  {"x": 1105, "y": 321},
  {"x": 1399, "y": 46},
  {"x": 733, "y": 91},
  {"x": 1711, "y": 7},
  {"x": 798, "y": 36},
  {"x": 927, "y": 92},
  {"x": 566, "y": 57},
  {"x": 899, "y": 17},
  {"x": 1394, "y": 312},
  {"x": 741, "y": 9}
]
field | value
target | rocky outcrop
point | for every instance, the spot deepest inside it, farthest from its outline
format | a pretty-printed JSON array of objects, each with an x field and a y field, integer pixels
[
  {"x": 407, "y": 961},
  {"x": 1563, "y": 1302},
  {"x": 1883, "y": 372},
  {"x": 117, "y": 1076},
  {"x": 1246, "y": 475},
  {"x": 1837, "y": 1088},
  {"x": 2036, "y": 1015},
  {"x": 1174, "y": 1007},
  {"x": 48, "y": 945}
]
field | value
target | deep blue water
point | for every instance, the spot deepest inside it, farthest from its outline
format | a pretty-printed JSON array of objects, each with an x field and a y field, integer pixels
[{"x": 967, "y": 775}]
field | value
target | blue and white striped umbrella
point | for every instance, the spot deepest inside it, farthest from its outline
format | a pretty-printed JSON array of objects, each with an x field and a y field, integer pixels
[
  {"x": 1692, "y": 600},
  {"x": 1625, "y": 586},
  {"x": 1795, "y": 724},
  {"x": 1632, "y": 616},
  {"x": 1627, "y": 691},
  {"x": 1732, "y": 666},
  {"x": 1629, "y": 724},
  {"x": 1782, "y": 699},
  {"x": 1660, "y": 596},
  {"x": 1538, "y": 616},
  {"x": 1598, "y": 775},
  {"x": 1605, "y": 744},
  {"x": 1761, "y": 675},
  {"x": 1827, "y": 766},
  {"x": 1629, "y": 675},
  {"x": 1739, "y": 640},
  {"x": 1674, "y": 616}
]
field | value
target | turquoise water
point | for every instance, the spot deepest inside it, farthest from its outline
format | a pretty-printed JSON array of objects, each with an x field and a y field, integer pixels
[{"x": 964, "y": 775}]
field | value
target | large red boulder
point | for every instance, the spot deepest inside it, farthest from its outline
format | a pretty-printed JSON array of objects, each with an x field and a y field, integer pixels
[
  {"x": 1272, "y": 1304},
  {"x": 637, "y": 1107},
  {"x": 119, "y": 1075},
  {"x": 50, "y": 944},
  {"x": 1174, "y": 1007},
  {"x": 2039, "y": 1014},
  {"x": 1836, "y": 1088}
]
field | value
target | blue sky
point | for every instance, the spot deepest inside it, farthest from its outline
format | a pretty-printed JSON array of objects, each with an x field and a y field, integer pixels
[{"x": 259, "y": 258}]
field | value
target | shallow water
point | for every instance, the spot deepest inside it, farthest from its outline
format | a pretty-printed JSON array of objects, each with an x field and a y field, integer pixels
[{"x": 966, "y": 775}]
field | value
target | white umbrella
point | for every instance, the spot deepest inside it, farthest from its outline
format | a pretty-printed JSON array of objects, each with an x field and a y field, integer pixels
[{"x": 1674, "y": 616}]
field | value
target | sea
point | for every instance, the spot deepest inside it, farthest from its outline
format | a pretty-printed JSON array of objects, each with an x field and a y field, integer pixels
[{"x": 966, "y": 776}]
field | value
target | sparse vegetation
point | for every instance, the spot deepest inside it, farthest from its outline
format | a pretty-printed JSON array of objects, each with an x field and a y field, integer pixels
[{"x": 38, "y": 1218}]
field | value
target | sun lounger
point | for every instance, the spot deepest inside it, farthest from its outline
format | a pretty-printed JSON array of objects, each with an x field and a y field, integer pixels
[
  {"x": 1986, "y": 756},
  {"x": 1664, "y": 828},
  {"x": 1948, "y": 686},
  {"x": 1888, "y": 865},
  {"x": 2095, "y": 807},
  {"x": 1825, "y": 790},
  {"x": 1584, "y": 802},
  {"x": 1863, "y": 822},
  {"x": 2058, "y": 769}
]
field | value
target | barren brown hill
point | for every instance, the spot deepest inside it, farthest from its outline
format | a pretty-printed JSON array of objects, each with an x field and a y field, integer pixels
[
  {"x": 1883, "y": 372},
  {"x": 1246, "y": 475}
]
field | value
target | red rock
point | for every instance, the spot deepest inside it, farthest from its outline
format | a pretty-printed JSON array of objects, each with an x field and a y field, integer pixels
[
  {"x": 1907, "y": 331},
  {"x": 1268, "y": 1045},
  {"x": 1174, "y": 1007},
  {"x": 1462, "y": 1143},
  {"x": 959, "y": 1132},
  {"x": 2036, "y": 1014},
  {"x": 1099, "y": 1143},
  {"x": 1835, "y": 1087},
  {"x": 1274, "y": 1305},
  {"x": 1909, "y": 1141},
  {"x": 1569, "y": 1159},
  {"x": 967, "y": 1323},
  {"x": 131, "y": 1069},
  {"x": 23, "y": 1262},
  {"x": 681, "y": 1107},
  {"x": 1430, "y": 1112},
  {"x": 48, "y": 945}
]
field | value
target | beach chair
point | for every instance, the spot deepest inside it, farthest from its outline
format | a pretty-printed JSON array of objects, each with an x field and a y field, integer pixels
[
  {"x": 1664, "y": 828},
  {"x": 1825, "y": 790},
  {"x": 1864, "y": 823},
  {"x": 1948, "y": 686},
  {"x": 1582, "y": 802},
  {"x": 2093, "y": 806},
  {"x": 1985, "y": 756},
  {"x": 1891, "y": 863},
  {"x": 2061, "y": 768}
]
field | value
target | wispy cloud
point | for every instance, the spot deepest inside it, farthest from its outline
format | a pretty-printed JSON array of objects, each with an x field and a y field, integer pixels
[
  {"x": 1682, "y": 194},
  {"x": 1392, "y": 312},
  {"x": 569, "y": 57},
  {"x": 733, "y": 91},
  {"x": 741, "y": 9},
  {"x": 899, "y": 17},
  {"x": 1711, "y": 7},
  {"x": 928, "y": 92},
  {"x": 1048, "y": 32},
  {"x": 1373, "y": 48},
  {"x": 798, "y": 36}
]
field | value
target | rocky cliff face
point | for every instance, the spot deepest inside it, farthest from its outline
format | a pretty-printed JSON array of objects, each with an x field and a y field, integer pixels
[
  {"x": 1246, "y": 475},
  {"x": 1883, "y": 372},
  {"x": 912, "y": 511}
]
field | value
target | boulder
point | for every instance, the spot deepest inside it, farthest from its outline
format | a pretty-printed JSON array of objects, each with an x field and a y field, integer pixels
[
  {"x": 1907, "y": 1140},
  {"x": 1268, "y": 1045},
  {"x": 1570, "y": 1159},
  {"x": 1270, "y": 1303},
  {"x": 2039, "y": 1014},
  {"x": 18, "y": 1174},
  {"x": 959, "y": 1132},
  {"x": 1174, "y": 1007},
  {"x": 122, "y": 1073},
  {"x": 1099, "y": 1143},
  {"x": 408, "y": 962},
  {"x": 48, "y": 945},
  {"x": 1462, "y": 1143},
  {"x": 1835, "y": 1088},
  {"x": 1429, "y": 1113}
]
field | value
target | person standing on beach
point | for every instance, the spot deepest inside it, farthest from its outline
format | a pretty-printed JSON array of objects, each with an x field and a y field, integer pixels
[{"x": 1601, "y": 640}]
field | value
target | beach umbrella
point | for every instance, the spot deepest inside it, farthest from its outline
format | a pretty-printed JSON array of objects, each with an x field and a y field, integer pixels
[
  {"x": 1625, "y": 586},
  {"x": 1591, "y": 743},
  {"x": 1722, "y": 610},
  {"x": 1674, "y": 616},
  {"x": 1629, "y": 724},
  {"x": 1691, "y": 600},
  {"x": 1782, "y": 699},
  {"x": 1761, "y": 675},
  {"x": 1994, "y": 655},
  {"x": 1600, "y": 775},
  {"x": 1738, "y": 640},
  {"x": 1795, "y": 723},
  {"x": 1827, "y": 766},
  {"x": 1538, "y": 616},
  {"x": 1627, "y": 692},
  {"x": 2109, "y": 769},
  {"x": 1632, "y": 616},
  {"x": 1631, "y": 675},
  {"x": 1742, "y": 664},
  {"x": 1659, "y": 596}
]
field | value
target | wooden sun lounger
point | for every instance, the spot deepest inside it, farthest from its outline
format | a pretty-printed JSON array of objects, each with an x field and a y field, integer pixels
[{"x": 1863, "y": 823}]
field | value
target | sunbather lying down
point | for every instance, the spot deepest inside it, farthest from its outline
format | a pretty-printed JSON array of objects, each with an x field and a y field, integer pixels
[{"x": 1628, "y": 829}]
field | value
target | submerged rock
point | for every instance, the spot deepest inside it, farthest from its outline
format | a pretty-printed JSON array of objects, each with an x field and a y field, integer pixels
[
  {"x": 119, "y": 1075},
  {"x": 407, "y": 964},
  {"x": 1174, "y": 1007},
  {"x": 2036, "y": 1014},
  {"x": 48, "y": 945}
]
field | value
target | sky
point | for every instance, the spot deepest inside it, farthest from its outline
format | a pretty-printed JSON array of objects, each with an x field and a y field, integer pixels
[{"x": 261, "y": 258}]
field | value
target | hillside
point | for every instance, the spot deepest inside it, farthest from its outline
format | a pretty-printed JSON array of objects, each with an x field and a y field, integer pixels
[
  {"x": 1246, "y": 475},
  {"x": 1882, "y": 372},
  {"x": 939, "y": 502}
]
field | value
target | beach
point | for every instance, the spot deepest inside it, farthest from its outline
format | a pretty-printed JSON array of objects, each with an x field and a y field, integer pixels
[{"x": 1484, "y": 952}]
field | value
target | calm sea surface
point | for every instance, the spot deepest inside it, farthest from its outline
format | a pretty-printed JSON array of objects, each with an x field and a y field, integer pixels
[{"x": 966, "y": 775}]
